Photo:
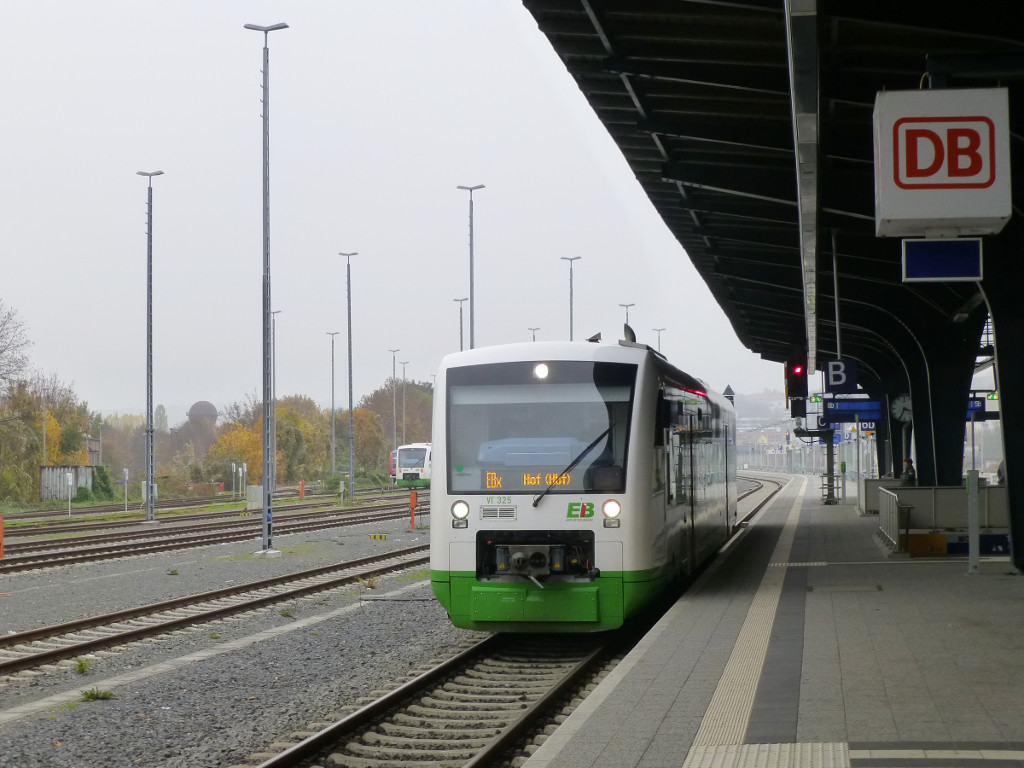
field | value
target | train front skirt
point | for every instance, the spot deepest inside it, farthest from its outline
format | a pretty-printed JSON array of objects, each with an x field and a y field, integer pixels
[{"x": 563, "y": 606}]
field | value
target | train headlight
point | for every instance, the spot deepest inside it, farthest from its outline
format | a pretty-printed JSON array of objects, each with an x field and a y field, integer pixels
[
  {"x": 611, "y": 508},
  {"x": 460, "y": 510}
]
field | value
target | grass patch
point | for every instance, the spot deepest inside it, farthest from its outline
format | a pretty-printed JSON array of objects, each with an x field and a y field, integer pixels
[
  {"x": 370, "y": 582},
  {"x": 173, "y": 572},
  {"x": 288, "y": 613},
  {"x": 82, "y": 665},
  {"x": 301, "y": 549},
  {"x": 95, "y": 694},
  {"x": 230, "y": 558},
  {"x": 414, "y": 576},
  {"x": 215, "y": 636}
]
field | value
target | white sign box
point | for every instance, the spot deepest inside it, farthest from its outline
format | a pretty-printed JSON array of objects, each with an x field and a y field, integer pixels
[{"x": 942, "y": 162}]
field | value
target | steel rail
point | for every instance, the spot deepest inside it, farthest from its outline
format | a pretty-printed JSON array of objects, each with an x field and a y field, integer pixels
[{"x": 409, "y": 557}]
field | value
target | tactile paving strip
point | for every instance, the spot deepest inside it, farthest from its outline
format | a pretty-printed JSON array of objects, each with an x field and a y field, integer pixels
[
  {"x": 726, "y": 720},
  {"x": 822, "y": 755}
]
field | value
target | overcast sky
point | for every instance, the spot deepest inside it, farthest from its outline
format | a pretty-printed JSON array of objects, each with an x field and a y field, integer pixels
[{"x": 380, "y": 108}]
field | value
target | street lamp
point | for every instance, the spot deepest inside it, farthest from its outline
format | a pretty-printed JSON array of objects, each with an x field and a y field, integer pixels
[
  {"x": 351, "y": 418},
  {"x": 570, "y": 259},
  {"x": 150, "y": 461},
  {"x": 273, "y": 388},
  {"x": 460, "y": 320},
  {"x": 268, "y": 465},
  {"x": 658, "y": 330},
  {"x": 627, "y": 306},
  {"x": 471, "y": 190},
  {"x": 534, "y": 331},
  {"x": 394, "y": 400},
  {"x": 334, "y": 464},
  {"x": 404, "y": 440}
]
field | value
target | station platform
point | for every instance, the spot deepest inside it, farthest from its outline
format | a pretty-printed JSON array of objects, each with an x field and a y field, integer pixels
[{"x": 807, "y": 644}]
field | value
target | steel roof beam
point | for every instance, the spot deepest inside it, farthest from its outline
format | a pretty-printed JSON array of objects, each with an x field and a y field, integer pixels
[
  {"x": 761, "y": 77},
  {"x": 802, "y": 46},
  {"x": 768, "y": 138}
]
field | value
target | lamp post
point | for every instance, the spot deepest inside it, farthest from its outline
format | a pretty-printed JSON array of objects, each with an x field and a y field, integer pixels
[
  {"x": 404, "y": 440},
  {"x": 471, "y": 190},
  {"x": 351, "y": 417},
  {"x": 150, "y": 462},
  {"x": 394, "y": 400},
  {"x": 534, "y": 332},
  {"x": 334, "y": 465},
  {"x": 627, "y": 306},
  {"x": 658, "y": 331},
  {"x": 45, "y": 463},
  {"x": 268, "y": 464},
  {"x": 460, "y": 320},
  {"x": 570, "y": 259},
  {"x": 273, "y": 388}
]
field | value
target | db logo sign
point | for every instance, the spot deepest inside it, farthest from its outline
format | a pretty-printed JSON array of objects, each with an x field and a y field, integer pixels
[{"x": 944, "y": 152}]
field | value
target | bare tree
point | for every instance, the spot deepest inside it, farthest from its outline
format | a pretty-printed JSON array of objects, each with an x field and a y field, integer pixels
[{"x": 14, "y": 344}]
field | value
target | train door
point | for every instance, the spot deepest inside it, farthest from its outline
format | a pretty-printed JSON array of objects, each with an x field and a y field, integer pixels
[{"x": 683, "y": 482}]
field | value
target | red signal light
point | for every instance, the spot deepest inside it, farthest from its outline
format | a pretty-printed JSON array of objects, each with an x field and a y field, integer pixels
[{"x": 798, "y": 369}]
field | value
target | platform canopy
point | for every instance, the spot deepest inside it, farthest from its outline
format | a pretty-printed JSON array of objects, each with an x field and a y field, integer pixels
[{"x": 749, "y": 125}]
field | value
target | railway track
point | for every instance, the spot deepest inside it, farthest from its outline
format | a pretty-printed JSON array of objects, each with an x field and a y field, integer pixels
[
  {"x": 48, "y": 554},
  {"x": 37, "y": 647},
  {"x": 62, "y": 525},
  {"x": 469, "y": 711},
  {"x": 56, "y": 517}
]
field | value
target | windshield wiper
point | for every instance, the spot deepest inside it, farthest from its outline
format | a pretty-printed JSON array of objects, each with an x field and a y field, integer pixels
[{"x": 577, "y": 460}]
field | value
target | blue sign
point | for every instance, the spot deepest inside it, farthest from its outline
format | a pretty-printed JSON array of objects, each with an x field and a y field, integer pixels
[
  {"x": 841, "y": 376},
  {"x": 848, "y": 411},
  {"x": 934, "y": 260}
]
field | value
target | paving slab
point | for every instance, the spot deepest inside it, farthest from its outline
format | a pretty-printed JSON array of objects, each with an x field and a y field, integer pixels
[{"x": 807, "y": 644}]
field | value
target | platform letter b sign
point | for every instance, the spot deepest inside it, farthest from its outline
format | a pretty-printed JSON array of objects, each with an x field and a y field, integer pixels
[
  {"x": 841, "y": 376},
  {"x": 836, "y": 373}
]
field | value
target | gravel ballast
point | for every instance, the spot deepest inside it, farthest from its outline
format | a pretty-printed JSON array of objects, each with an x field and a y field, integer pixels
[{"x": 218, "y": 711}]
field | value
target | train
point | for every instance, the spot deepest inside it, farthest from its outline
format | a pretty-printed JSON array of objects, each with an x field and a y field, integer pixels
[
  {"x": 576, "y": 483},
  {"x": 412, "y": 466}
]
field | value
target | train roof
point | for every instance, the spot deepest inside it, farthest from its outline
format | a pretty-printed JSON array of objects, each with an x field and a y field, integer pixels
[{"x": 623, "y": 351}]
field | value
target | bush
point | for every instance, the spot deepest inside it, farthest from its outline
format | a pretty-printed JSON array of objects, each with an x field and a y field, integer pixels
[
  {"x": 84, "y": 495},
  {"x": 333, "y": 483},
  {"x": 102, "y": 484}
]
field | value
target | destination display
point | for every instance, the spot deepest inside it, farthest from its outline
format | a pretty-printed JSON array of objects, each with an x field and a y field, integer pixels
[
  {"x": 849, "y": 411},
  {"x": 494, "y": 481}
]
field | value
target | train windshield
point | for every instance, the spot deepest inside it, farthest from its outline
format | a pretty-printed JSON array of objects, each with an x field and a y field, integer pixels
[
  {"x": 410, "y": 458},
  {"x": 517, "y": 427}
]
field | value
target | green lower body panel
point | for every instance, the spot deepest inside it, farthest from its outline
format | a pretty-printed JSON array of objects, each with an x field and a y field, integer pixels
[
  {"x": 514, "y": 602},
  {"x": 521, "y": 606}
]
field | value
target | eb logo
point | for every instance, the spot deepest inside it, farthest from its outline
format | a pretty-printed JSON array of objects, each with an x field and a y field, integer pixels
[{"x": 580, "y": 510}]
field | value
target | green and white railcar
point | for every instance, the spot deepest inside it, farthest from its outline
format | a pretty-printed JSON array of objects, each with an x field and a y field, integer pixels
[
  {"x": 413, "y": 466},
  {"x": 575, "y": 481}
]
